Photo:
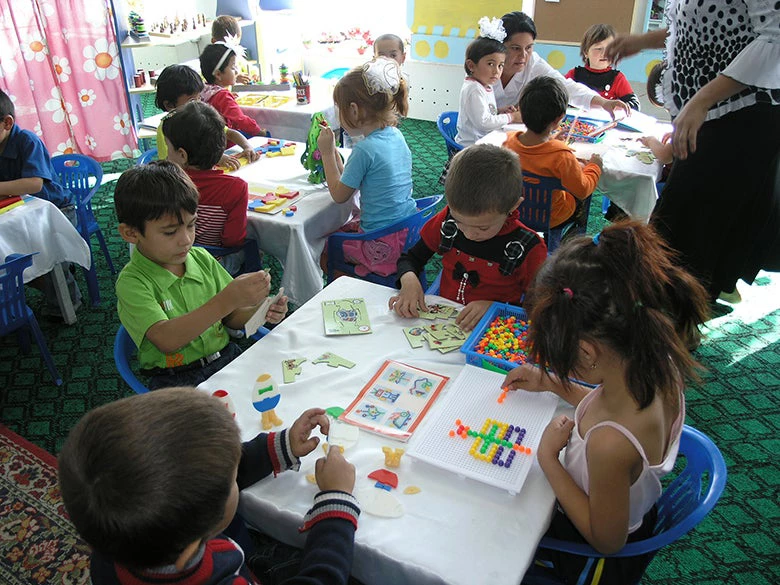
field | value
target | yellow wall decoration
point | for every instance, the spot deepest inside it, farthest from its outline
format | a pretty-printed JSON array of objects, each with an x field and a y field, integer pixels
[
  {"x": 556, "y": 59},
  {"x": 422, "y": 48},
  {"x": 441, "y": 49},
  {"x": 650, "y": 65},
  {"x": 440, "y": 18}
]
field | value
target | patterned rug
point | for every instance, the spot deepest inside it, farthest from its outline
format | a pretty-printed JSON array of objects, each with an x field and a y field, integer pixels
[{"x": 38, "y": 544}]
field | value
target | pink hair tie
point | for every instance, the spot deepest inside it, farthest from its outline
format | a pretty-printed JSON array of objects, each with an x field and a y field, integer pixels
[{"x": 568, "y": 292}]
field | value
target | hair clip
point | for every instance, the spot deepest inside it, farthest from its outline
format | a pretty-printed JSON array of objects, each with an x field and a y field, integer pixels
[
  {"x": 568, "y": 292},
  {"x": 230, "y": 42},
  {"x": 596, "y": 238},
  {"x": 382, "y": 75},
  {"x": 492, "y": 29}
]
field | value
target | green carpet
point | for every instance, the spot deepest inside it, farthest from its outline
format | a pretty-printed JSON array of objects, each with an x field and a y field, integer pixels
[{"x": 737, "y": 404}]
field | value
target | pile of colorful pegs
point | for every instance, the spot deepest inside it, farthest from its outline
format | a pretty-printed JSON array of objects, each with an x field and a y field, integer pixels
[{"x": 506, "y": 339}]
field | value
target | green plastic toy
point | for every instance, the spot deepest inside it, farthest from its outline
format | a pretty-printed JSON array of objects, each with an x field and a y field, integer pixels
[{"x": 311, "y": 159}]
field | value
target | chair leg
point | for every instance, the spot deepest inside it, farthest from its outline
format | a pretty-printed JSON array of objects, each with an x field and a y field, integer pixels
[
  {"x": 41, "y": 341},
  {"x": 23, "y": 337},
  {"x": 102, "y": 242},
  {"x": 92, "y": 283}
]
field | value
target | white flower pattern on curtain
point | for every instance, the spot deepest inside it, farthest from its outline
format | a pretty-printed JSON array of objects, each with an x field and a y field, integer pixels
[{"x": 59, "y": 63}]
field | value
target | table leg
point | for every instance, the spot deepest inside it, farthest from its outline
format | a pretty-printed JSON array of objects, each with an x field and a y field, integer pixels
[{"x": 63, "y": 295}]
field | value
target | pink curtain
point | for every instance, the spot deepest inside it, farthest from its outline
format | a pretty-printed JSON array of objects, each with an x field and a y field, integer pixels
[{"x": 59, "y": 63}]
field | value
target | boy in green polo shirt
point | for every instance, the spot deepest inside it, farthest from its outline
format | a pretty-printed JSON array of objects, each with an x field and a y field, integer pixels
[{"x": 176, "y": 300}]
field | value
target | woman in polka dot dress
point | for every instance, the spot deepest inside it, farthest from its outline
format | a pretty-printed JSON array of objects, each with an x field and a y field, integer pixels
[{"x": 720, "y": 208}]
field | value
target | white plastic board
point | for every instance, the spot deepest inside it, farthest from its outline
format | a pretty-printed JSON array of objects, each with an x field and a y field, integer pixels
[{"x": 472, "y": 399}]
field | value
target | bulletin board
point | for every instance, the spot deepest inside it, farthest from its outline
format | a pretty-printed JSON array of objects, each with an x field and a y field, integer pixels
[{"x": 567, "y": 20}]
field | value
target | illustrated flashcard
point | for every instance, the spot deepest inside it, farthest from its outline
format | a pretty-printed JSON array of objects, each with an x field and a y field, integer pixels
[
  {"x": 437, "y": 311},
  {"x": 395, "y": 400},
  {"x": 414, "y": 335},
  {"x": 345, "y": 317}
]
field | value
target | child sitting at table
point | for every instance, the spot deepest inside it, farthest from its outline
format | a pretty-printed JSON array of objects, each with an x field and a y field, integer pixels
[
  {"x": 26, "y": 169},
  {"x": 226, "y": 26},
  {"x": 195, "y": 137},
  {"x": 175, "y": 300},
  {"x": 152, "y": 483},
  {"x": 487, "y": 253},
  {"x": 598, "y": 73},
  {"x": 369, "y": 100},
  {"x": 614, "y": 311},
  {"x": 390, "y": 46},
  {"x": 477, "y": 113},
  {"x": 543, "y": 106},
  {"x": 218, "y": 66},
  {"x": 179, "y": 84}
]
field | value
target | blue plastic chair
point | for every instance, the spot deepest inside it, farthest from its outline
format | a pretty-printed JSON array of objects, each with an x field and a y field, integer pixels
[
  {"x": 147, "y": 157},
  {"x": 125, "y": 349},
  {"x": 535, "y": 210},
  {"x": 83, "y": 176},
  {"x": 426, "y": 208},
  {"x": 15, "y": 315},
  {"x": 435, "y": 287},
  {"x": 684, "y": 503},
  {"x": 447, "y": 124},
  {"x": 253, "y": 260}
]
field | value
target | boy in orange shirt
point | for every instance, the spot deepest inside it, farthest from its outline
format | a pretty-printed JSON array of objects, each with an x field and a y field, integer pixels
[{"x": 543, "y": 106}]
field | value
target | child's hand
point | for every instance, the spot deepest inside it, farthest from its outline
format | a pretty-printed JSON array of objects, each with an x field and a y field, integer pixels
[
  {"x": 507, "y": 110},
  {"x": 250, "y": 154},
  {"x": 277, "y": 311},
  {"x": 597, "y": 160},
  {"x": 615, "y": 106},
  {"x": 334, "y": 472},
  {"x": 301, "y": 441},
  {"x": 326, "y": 141},
  {"x": 650, "y": 142},
  {"x": 230, "y": 162},
  {"x": 470, "y": 316},
  {"x": 410, "y": 298},
  {"x": 555, "y": 437},
  {"x": 248, "y": 289},
  {"x": 243, "y": 78},
  {"x": 517, "y": 118},
  {"x": 526, "y": 377}
]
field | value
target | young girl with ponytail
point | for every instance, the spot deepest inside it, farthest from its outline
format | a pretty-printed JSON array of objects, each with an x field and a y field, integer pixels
[{"x": 612, "y": 311}]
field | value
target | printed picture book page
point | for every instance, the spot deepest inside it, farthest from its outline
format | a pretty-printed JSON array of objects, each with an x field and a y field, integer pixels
[{"x": 395, "y": 400}]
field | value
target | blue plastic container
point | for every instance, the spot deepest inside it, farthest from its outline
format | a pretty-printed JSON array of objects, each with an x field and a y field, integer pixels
[{"x": 485, "y": 361}]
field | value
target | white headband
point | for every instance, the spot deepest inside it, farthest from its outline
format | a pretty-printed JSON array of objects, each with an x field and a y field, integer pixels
[
  {"x": 382, "y": 75},
  {"x": 492, "y": 29},
  {"x": 230, "y": 43}
]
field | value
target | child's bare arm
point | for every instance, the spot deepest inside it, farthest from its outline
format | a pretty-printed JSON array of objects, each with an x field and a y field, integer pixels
[
  {"x": 245, "y": 291},
  {"x": 331, "y": 163},
  {"x": 410, "y": 298},
  {"x": 246, "y": 148},
  {"x": 662, "y": 151},
  {"x": 533, "y": 379},
  {"x": 25, "y": 186}
]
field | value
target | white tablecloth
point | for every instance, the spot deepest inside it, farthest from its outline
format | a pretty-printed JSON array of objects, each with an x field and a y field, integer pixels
[
  {"x": 38, "y": 226},
  {"x": 455, "y": 531},
  {"x": 296, "y": 241},
  {"x": 292, "y": 121},
  {"x": 625, "y": 179}
]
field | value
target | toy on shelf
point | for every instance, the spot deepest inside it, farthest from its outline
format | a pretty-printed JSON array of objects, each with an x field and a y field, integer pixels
[
  {"x": 166, "y": 28},
  {"x": 137, "y": 27},
  {"x": 283, "y": 73},
  {"x": 311, "y": 159},
  {"x": 265, "y": 397}
]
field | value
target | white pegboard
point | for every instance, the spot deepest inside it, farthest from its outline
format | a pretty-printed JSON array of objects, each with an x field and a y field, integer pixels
[
  {"x": 433, "y": 88},
  {"x": 472, "y": 399}
]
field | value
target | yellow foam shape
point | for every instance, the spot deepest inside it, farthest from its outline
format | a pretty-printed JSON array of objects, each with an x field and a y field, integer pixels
[{"x": 412, "y": 489}]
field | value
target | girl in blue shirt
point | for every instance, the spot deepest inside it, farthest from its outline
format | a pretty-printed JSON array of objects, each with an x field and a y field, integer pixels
[{"x": 369, "y": 100}]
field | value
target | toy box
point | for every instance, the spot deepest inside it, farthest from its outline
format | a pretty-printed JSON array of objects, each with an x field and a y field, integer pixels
[{"x": 512, "y": 334}]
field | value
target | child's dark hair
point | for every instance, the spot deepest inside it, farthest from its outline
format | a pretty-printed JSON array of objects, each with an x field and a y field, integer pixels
[
  {"x": 148, "y": 192},
  {"x": 622, "y": 289},
  {"x": 199, "y": 130},
  {"x": 213, "y": 59},
  {"x": 480, "y": 48},
  {"x": 223, "y": 26},
  {"x": 175, "y": 81},
  {"x": 544, "y": 100},
  {"x": 595, "y": 34},
  {"x": 390, "y": 37},
  {"x": 518, "y": 22},
  {"x": 484, "y": 178},
  {"x": 381, "y": 106},
  {"x": 654, "y": 84},
  {"x": 6, "y": 106},
  {"x": 141, "y": 482}
]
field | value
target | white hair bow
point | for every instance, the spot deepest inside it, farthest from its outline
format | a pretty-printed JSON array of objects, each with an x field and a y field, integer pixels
[
  {"x": 231, "y": 43},
  {"x": 382, "y": 75},
  {"x": 492, "y": 29}
]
